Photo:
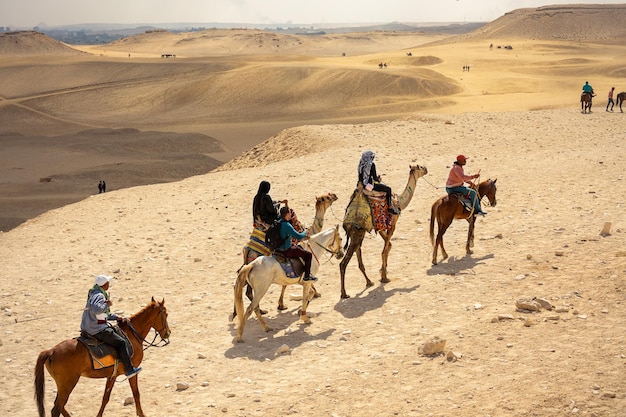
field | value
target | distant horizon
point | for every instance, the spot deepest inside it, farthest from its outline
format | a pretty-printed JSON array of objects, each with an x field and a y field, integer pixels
[
  {"x": 240, "y": 25},
  {"x": 27, "y": 14}
]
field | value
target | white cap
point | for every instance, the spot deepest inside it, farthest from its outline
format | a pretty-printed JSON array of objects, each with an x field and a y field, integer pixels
[{"x": 102, "y": 280}]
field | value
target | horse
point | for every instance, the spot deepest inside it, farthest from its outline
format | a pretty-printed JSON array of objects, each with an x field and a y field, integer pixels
[
  {"x": 266, "y": 270},
  {"x": 448, "y": 208},
  {"x": 585, "y": 102},
  {"x": 256, "y": 246},
  {"x": 69, "y": 360},
  {"x": 620, "y": 99}
]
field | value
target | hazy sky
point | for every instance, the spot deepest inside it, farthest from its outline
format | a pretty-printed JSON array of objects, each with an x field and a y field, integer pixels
[{"x": 29, "y": 13}]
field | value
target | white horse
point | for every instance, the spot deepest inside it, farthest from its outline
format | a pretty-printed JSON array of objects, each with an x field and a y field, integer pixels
[{"x": 266, "y": 270}]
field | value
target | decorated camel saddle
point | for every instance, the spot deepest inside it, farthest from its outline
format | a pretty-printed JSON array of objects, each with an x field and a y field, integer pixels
[
  {"x": 101, "y": 354},
  {"x": 256, "y": 243},
  {"x": 368, "y": 209}
]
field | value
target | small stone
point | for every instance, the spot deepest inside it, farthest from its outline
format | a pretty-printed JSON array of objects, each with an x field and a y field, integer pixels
[
  {"x": 282, "y": 349},
  {"x": 562, "y": 309},
  {"x": 182, "y": 386},
  {"x": 129, "y": 401},
  {"x": 433, "y": 347},
  {"x": 201, "y": 356},
  {"x": 609, "y": 394},
  {"x": 558, "y": 253},
  {"x": 528, "y": 304},
  {"x": 205, "y": 384},
  {"x": 544, "y": 303},
  {"x": 503, "y": 317}
]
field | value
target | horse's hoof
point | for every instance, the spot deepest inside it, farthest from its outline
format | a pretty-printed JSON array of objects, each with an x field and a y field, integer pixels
[
  {"x": 263, "y": 312},
  {"x": 369, "y": 284},
  {"x": 344, "y": 296},
  {"x": 317, "y": 295},
  {"x": 385, "y": 280}
]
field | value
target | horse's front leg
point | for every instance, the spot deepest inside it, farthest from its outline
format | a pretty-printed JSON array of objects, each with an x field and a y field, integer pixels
[
  {"x": 107, "y": 394},
  {"x": 134, "y": 386},
  {"x": 470, "y": 235}
]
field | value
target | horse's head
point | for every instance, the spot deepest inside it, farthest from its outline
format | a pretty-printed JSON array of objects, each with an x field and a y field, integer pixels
[
  {"x": 418, "y": 170},
  {"x": 159, "y": 322},
  {"x": 488, "y": 189},
  {"x": 336, "y": 247}
]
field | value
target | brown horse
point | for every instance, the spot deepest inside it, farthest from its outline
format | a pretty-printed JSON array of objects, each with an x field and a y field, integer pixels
[
  {"x": 620, "y": 99},
  {"x": 448, "y": 208},
  {"x": 70, "y": 359},
  {"x": 585, "y": 102}
]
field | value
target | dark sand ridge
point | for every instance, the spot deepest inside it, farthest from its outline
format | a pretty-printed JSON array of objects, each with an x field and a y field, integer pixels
[{"x": 241, "y": 87}]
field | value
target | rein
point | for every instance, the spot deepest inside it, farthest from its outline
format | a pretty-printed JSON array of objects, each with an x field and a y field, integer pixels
[
  {"x": 325, "y": 248},
  {"x": 145, "y": 343}
]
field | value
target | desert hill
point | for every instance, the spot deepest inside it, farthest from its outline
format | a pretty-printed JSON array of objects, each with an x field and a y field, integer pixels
[
  {"x": 243, "y": 86},
  {"x": 577, "y": 23},
  {"x": 32, "y": 43}
]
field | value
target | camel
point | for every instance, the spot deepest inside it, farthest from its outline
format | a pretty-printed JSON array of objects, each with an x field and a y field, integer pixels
[
  {"x": 355, "y": 233},
  {"x": 322, "y": 203}
]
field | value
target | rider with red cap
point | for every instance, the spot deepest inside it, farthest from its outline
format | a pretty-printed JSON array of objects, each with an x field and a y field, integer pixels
[{"x": 457, "y": 178}]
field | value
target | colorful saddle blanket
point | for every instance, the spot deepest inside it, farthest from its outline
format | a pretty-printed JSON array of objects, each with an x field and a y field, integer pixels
[
  {"x": 257, "y": 243},
  {"x": 101, "y": 354},
  {"x": 368, "y": 210}
]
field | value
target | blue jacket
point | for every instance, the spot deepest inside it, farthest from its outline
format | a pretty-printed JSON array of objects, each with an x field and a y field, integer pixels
[
  {"x": 287, "y": 232},
  {"x": 96, "y": 311}
]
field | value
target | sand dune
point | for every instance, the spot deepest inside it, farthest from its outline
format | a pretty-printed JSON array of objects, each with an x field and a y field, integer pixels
[{"x": 300, "y": 118}]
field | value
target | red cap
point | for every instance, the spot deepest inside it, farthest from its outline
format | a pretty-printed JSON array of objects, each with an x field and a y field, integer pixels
[{"x": 461, "y": 158}]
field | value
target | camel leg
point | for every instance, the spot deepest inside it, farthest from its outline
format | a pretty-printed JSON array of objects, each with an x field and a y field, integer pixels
[
  {"x": 359, "y": 257},
  {"x": 342, "y": 270},
  {"x": 385, "y": 257},
  {"x": 134, "y": 387},
  {"x": 107, "y": 394},
  {"x": 356, "y": 237}
]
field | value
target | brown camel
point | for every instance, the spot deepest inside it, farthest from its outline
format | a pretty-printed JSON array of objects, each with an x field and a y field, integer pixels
[
  {"x": 322, "y": 203},
  {"x": 355, "y": 233}
]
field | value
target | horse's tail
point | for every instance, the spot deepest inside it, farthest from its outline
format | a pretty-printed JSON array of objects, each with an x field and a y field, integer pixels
[
  {"x": 434, "y": 212},
  {"x": 40, "y": 380},
  {"x": 240, "y": 283}
]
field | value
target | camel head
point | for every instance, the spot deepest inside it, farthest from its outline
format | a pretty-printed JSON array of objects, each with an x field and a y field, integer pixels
[
  {"x": 418, "y": 170},
  {"x": 325, "y": 200}
]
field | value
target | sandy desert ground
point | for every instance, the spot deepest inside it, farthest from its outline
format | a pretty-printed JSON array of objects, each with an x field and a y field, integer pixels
[{"x": 515, "y": 113}]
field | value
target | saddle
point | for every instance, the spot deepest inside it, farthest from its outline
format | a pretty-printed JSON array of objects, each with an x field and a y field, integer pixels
[
  {"x": 293, "y": 267},
  {"x": 102, "y": 355},
  {"x": 464, "y": 201},
  {"x": 368, "y": 209},
  {"x": 257, "y": 243}
]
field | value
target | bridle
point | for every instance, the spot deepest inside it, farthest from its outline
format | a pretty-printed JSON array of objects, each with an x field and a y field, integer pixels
[
  {"x": 163, "y": 342},
  {"x": 335, "y": 243}
]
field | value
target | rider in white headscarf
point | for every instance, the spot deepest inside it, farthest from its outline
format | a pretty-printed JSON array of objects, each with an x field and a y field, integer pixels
[{"x": 371, "y": 180}]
